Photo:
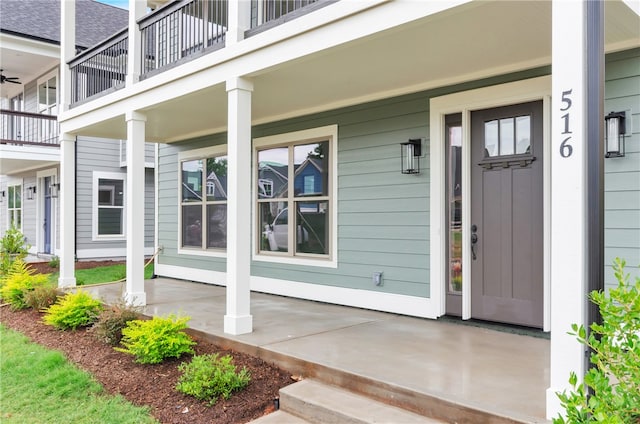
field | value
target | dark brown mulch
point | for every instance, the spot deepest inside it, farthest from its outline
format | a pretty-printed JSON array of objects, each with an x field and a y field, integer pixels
[
  {"x": 153, "y": 385},
  {"x": 45, "y": 268}
]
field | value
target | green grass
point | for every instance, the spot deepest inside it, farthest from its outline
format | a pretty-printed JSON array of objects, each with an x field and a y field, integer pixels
[
  {"x": 39, "y": 386},
  {"x": 103, "y": 274}
]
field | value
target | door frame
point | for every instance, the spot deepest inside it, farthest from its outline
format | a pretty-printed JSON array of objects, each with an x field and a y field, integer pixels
[
  {"x": 40, "y": 176},
  {"x": 465, "y": 102}
]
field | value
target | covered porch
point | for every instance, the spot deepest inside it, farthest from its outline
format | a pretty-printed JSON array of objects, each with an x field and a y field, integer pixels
[{"x": 458, "y": 373}]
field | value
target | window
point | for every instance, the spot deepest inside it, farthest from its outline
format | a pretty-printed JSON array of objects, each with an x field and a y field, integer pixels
[
  {"x": 203, "y": 200},
  {"x": 14, "y": 194},
  {"x": 109, "y": 195},
  {"x": 507, "y": 136},
  {"x": 48, "y": 105},
  {"x": 296, "y": 172}
]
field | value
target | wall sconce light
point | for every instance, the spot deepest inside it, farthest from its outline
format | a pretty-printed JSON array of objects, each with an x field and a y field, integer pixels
[
  {"x": 2, "y": 196},
  {"x": 55, "y": 190},
  {"x": 31, "y": 191},
  {"x": 410, "y": 153},
  {"x": 615, "y": 129}
]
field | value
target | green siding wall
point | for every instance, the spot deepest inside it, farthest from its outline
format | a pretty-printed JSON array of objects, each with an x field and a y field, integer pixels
[
  {"x": 622, "y": 175},
  {"x": 383, "y": 216}
]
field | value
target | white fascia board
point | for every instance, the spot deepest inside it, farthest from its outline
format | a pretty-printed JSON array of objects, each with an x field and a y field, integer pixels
[
  {"x": 634, "y": 5},
  {"x": 317, "y": 31},
  {"x": 30, "y": 46},
  {"x": 30, "y": 153}
]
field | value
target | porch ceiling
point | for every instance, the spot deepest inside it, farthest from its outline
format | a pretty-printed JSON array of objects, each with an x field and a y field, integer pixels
[
  {"x": 475, "y": 40},
  {"x": 16, "y": 159}
]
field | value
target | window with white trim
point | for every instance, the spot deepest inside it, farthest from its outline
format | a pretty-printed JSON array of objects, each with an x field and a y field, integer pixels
[
  {"x": 14, "y": 202},
  {"x": 203, "y": 200},
  {"x": 108, "y": 205},
  {"x": 299, "y": 170}
]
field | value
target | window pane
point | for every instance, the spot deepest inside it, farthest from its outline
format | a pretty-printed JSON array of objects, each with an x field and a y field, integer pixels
[
  {"x": 274, "y": 226},
  {"x": 17, "y": 203},
  {"x": 217, "y": 178},
  {"x": 110, "y": 192},
  {"x": 217, "y": 226},
  {"x": 506, "y": 136},
  {"x": 523, "y": 134},
  {"x": 51, "y": 91},
  {"x": 491, "y": 138},
  {"x": 192, "y": 181},
  {"x": 312, "y": 227},
  {"x": 273, "y": 169},
  {"x": 192, "y": 226},
  {"x": 11, "y": 196},
  {"x": 42, "y": 97},
  {"x": 454, "y": 196},
  {"x": 109, "y": 221},
  {"x": 312, "y": 169}
]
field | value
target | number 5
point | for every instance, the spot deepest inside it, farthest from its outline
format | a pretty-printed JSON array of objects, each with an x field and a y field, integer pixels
[{"x": 566, "y": 99}]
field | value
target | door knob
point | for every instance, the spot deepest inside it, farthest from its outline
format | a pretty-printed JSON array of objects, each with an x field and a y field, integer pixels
[{"x": 474, "y": 241}]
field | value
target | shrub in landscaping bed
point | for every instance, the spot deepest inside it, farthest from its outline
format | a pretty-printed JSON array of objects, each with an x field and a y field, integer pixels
[
  {"x": 152, "y": 341},
  {"x": 207, "y": 377},
  {"x": 73, "y": 310},
  {"x": 42, "y": 297},
  {"x": 112, "y": 321},
  {"x": 20, "y": 280}
]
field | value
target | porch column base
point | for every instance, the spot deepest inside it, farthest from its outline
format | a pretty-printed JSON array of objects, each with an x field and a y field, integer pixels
[
  {"x": 238, "y": 324},
  {"x": 64, "y": 283},
  {"x": 554, "y": 408},
  {"x": 135, "y": 298}
]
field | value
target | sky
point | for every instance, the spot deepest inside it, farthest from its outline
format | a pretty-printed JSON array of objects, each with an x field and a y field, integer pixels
[{"x": 124, "y": 4}]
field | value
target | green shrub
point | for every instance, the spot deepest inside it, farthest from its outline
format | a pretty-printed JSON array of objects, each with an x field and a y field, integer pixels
[
  {"x": 207, "y": 377},
  {"x": 73, "y": 310},
  {"x": 13, "y": 245},
  {"x": 151, "y": 341},
  {"x": 42, "y": 297},
  {"x": 19, "y": 281},
  {"x": 614, "y": 378},
  {"x": 54, "y": 262},
  {"x": 108, "y": 328}
]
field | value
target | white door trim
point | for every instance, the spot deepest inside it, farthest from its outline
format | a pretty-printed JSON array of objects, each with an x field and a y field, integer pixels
[
  {"x": 40, "y": 175},
  {"x": 465, "y": 102}
]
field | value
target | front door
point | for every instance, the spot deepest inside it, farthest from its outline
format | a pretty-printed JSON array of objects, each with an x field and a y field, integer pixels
[
  {"x": 507, "y": 214},
  {"x": 46, "y": 224}
]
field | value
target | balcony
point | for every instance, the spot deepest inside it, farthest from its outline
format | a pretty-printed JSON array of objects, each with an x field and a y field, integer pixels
[
  {"x": 174, "y": 34},
  {"x": 23, "y": 128}
]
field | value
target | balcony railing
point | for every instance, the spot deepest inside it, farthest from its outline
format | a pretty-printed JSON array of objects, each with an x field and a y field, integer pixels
[
  {"x": 181, "y": 30},
  {"x": 101, "y": 69},
  {"x": 177, "y": 32},
  {"x": 28, "y": 128},
  {"x": 266, "y": 14}
]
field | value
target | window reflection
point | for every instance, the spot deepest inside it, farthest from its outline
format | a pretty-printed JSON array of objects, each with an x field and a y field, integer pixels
[
  {"x": 454, "y": 197},
  {"x": 491, "y": 138}
]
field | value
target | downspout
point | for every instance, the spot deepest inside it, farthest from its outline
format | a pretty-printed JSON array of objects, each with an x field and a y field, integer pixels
[
  {"x": 595, "y": 159},
  {"x": 75, "y": 195}
]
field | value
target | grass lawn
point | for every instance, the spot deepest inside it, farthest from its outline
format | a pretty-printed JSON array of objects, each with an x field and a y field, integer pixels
[
  {"x": 103, "y": 274},
  {"x": 40, "y": 386}
]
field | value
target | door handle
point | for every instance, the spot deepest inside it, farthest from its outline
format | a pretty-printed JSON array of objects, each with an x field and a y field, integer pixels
[{"x": 474, "y": 241}]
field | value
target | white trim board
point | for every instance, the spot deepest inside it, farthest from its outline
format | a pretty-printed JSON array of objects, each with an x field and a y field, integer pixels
[
  {"x": 465, "y": 102},
  {"x": 385, "y": 302}
]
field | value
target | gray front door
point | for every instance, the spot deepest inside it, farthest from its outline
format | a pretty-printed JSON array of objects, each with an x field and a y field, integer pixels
[{"x": 507, "y": 214}]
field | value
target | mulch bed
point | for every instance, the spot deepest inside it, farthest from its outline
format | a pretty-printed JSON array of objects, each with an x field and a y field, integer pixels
[{"x": 153, "y": 385}]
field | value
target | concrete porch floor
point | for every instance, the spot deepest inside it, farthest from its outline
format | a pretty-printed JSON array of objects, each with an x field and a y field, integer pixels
[{"x": 416, "y": 362}]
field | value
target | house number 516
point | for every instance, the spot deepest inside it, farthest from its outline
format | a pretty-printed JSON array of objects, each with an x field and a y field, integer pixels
[{"x": 566, "y": 149}]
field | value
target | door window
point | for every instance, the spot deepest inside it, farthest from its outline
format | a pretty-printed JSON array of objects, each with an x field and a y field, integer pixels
[{"x": 507, "y": 136}]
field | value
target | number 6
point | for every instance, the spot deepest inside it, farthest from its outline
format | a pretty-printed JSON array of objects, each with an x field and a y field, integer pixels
[{"x": 566, "y": 149}]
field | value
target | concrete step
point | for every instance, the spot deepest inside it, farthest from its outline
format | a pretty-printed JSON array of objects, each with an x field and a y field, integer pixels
[
  {"x": 323, "y": 404},
  {"x": 279, "y": 417}
]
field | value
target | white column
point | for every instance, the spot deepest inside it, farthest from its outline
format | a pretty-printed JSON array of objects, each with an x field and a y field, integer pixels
[
  {"x": 67, "y": 49},
  {"x": 134, "y": 288},
  {"x": 239, "y": 20},
  {"x": 67, "y": 197},
  {"x": 137, "y": 9},
  {"x": 238, "y": 319},
  {"x": 568, "y": 198}
]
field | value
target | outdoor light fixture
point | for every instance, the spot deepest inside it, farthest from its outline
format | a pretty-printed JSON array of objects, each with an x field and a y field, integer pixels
[
  {"x": 55, "y": 190},
  {"x": 2, "y": 195},
  {"x": 30, "y": 192},
  {"x": 614, "y": 124},
  {"x": 410, "y": 153}
]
